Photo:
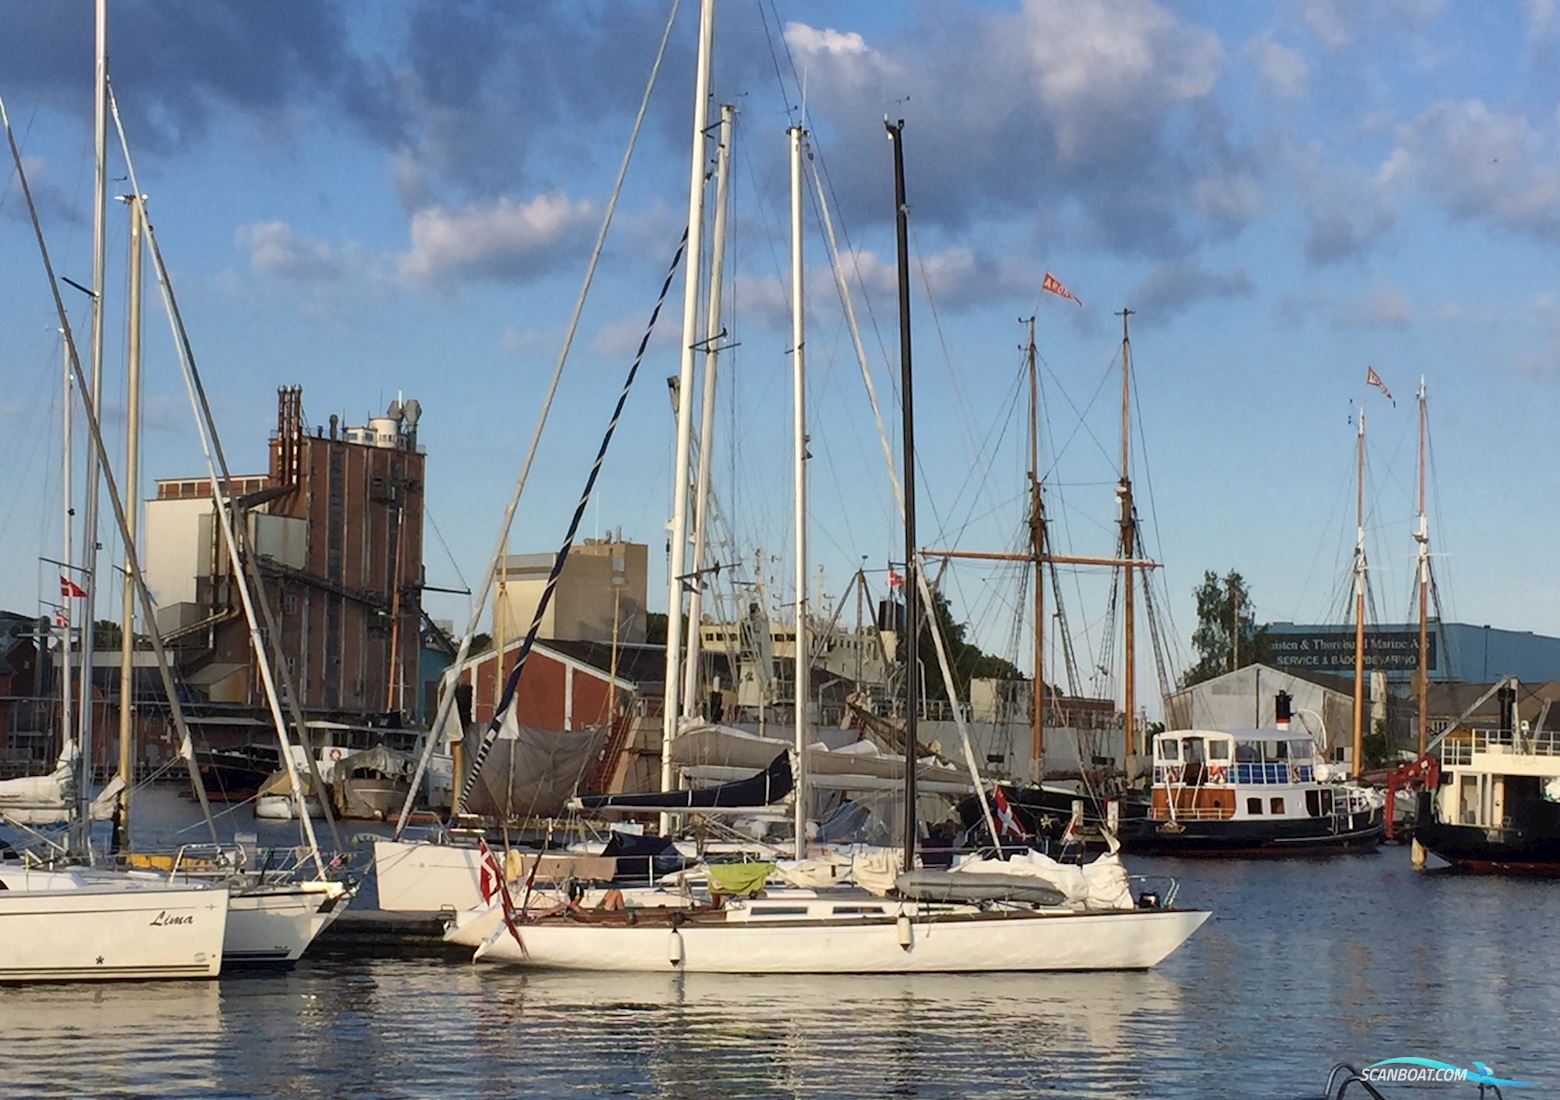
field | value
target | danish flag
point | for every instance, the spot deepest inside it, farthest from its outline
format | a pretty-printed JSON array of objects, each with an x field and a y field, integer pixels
[
  {"x": 69, "y": 588},
  {"x": 1053, "y": 285},
  {"x": 493, "y": 880},
  {"x": 896, "y": 579},
  {"x": 1008, "y": 824}
]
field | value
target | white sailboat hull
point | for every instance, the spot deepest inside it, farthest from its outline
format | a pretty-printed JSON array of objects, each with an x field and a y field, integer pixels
[
  {"x": 1027, "y": 941},
  {"x": 276, "y": 924},
  {"x": 104, "y": 933},
  {"x": 425, "y": 878}
]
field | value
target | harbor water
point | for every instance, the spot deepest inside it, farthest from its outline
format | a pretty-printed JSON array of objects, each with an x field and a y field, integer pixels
[{"x": 1304, "y": 964}]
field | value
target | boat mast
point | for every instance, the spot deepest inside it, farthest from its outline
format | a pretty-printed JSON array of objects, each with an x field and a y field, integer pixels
[
  {"x": 121, "y": 834},
  {"x": 1359, "y": 598},
  {"x": 67, "y": 548},
  {"x": 1128, "y": 539},
  {"x": 1037, "y": 546},
  {"x": 799, "y": 473},
  {"x": 912, "y": 570},
  {"x": 89, "y": 521},
  {"x": 679, "y": 541},
  {"x": 1422, "y": 537},
  {"x": 712, "y": 335}
]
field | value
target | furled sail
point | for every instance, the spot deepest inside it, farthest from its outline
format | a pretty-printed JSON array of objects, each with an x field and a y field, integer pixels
[{"x": 763, "y": 789}]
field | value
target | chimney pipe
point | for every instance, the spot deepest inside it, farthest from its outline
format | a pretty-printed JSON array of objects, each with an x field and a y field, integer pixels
[{"x": 1282, "y": 710}]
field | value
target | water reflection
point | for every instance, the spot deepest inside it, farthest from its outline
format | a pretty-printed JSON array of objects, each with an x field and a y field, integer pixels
[{"x": 1304, "y": 964}]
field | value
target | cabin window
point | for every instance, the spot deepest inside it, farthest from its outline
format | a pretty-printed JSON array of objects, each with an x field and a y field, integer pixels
[
  {"x": 1275, "y": 750},
  {"x": 857, "y": 910},
  {"x": 1254, "y": 807},
  {"x": 1170, "y": 748},
  {"x": 1313, "y": 803},
  {"x": 1300, "y": 750},
  {"x": 779, "y": 910},
  {"x": 1246, "y": 753},
  {"x": 1276, "y": 805},
  {"x": 1218, "y": 750},
  {"x": 1194, "y": 750}
]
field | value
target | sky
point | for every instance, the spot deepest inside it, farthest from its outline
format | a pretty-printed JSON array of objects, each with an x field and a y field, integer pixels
[{"x": 400, "y": 198}]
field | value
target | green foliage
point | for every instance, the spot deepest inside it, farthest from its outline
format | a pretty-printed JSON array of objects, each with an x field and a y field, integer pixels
[
  {"x": 968, "y": 660},
  {"x": 1225, "y": 616}
]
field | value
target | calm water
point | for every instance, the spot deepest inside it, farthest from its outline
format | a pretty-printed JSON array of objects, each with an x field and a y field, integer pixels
[{"x": 1303, "y": 965}]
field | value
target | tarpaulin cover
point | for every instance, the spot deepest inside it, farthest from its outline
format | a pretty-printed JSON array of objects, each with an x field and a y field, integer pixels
[{"x": 540, "y": 769}]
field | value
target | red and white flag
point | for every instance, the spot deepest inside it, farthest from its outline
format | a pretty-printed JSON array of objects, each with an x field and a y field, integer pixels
[
  {"x": 494, "y": 880},
  {"x": 1008, "y": 824},
  {"x": 1374, "y": 379},
  {"x": 1053, "y": 285},
  {"x": 61, "y": 617},
  {"x": 896, "y": 579},
  {"x": 69, "y": 588},
  {"x": 492, "y": 872}
]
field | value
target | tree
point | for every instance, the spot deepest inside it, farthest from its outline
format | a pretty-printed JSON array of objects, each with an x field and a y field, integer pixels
[
  {"x": 1227, "y": 636},
  {"x": 967, "y": 660}
]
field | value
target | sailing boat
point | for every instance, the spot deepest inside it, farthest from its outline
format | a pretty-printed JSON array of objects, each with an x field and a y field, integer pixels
[
  {"x": 1488, "y": 801},
  {"x": 976, "y": 920},
  {"x": 272, "y": 921}
]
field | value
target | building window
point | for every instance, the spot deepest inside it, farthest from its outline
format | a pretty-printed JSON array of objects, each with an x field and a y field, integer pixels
[
  {"x": 1276, "y": 805},
  {"x": 290, "y": 603},
  {"x": 292, "y": 666},
  {"x": 1254, "y": 807}
]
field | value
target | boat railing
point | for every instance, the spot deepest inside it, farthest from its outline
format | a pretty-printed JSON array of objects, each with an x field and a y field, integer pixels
[
  {"x": 1459, "y": 748},
  {"x": 1200, "y": 813}
]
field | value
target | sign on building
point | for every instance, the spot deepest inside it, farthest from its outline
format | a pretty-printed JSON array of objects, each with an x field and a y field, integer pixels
[{"x": 1388, "y": 651}]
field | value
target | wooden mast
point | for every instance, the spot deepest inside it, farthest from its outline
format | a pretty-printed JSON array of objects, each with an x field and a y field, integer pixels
[
  {"x": 1422, "y": 537},
  {"x": 1037, "y": 545},
  {"x": 1128, "y": 539},
  {"x": 121, "y": 832},
  {"x": 912, "y": 566},
  {"x": 1358, "y": 762}
]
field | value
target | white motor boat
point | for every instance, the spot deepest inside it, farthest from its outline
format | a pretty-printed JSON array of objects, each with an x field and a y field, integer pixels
[{"x": 63, "y": 926}]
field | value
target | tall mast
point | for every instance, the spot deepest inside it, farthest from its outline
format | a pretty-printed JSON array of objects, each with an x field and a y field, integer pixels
[
  {"x": 679, "y": 543},
  {"x": 67, "y": 548},
  {"x": 912, "y": 566},
  {"x": 90, "y": 516},
  {"x": 1422, "y": 537},
  {"x": 712, "y": 334},
  {"x": 1037, "y": 546},
  {"x": 799, "y": 473},
  {"x": 1359, "y": 599},
  {"x": 1128, "y": 539},
  {"x": 133, "y": 498}
]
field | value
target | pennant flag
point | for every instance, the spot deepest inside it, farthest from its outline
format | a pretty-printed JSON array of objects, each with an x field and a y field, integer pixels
[
  {"x": 1007, "y": 821},
  {"x": 69, "y": 588},
  {"x": 1053, "y": 285},
  {"x": 896, "y": 579},
  {"x": 1374, "y": 379},
  {"x": 61, "y": 618}
]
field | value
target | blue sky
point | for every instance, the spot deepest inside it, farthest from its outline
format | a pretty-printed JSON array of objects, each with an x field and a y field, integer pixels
[{"x": 401, "y": 197}]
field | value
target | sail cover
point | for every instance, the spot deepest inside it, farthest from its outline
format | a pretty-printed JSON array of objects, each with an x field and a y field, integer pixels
[{"x": 764, "y": 789}]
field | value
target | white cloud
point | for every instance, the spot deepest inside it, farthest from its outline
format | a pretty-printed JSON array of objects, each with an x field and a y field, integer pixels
[
  {"x": 1175, "y": 287},
  {"x": 502, "y": 239},
  {"x": 1482, "y": 165},
  {"x": 1382, "y": 306},
  {"x": 1282, "y": 70},
  {"x": 1096, "y": 119},
  {"x": 275, "y": 248},
  {"x": 1339, "y": 24},
  {"x": 1229, "y": 198}
]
